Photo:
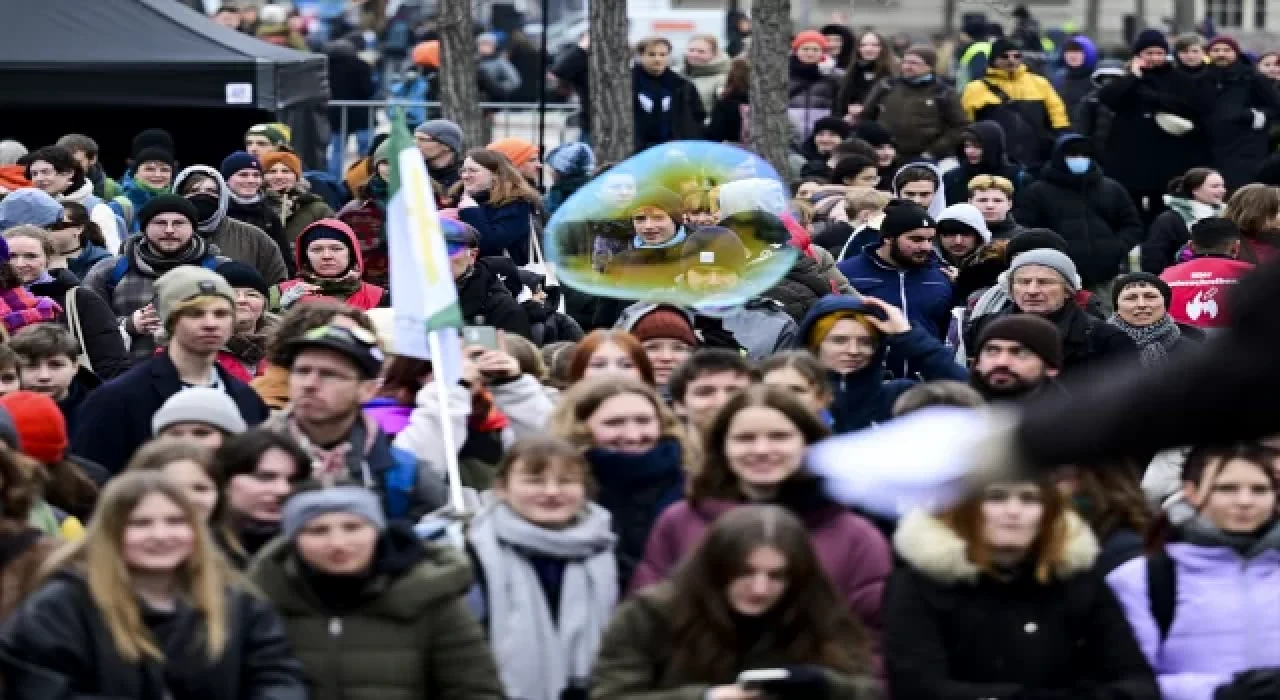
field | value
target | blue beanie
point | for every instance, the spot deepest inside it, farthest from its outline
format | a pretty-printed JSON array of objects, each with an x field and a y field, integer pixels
[
  {"x": 238, "y": 161},
  {"x": 574, "y": 158},
  {"x": 29, "y": 205}
]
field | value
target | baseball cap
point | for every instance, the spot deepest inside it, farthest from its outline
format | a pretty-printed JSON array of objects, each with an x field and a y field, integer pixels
[
  {"x": 355, "y": 343},
  {"x": 458, "y": 235}
]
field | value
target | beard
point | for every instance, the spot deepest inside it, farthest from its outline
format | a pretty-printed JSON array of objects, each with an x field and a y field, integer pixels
[
  {"x": 901, "y": 259},
  {"x": 1014, "y": 390}
]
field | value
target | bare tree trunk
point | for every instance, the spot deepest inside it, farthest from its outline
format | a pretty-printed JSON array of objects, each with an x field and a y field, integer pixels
[
  {"x": 459, "y": 89},
  {"x": 609, "y": 79},
  {"x": 770, "y": 46}
]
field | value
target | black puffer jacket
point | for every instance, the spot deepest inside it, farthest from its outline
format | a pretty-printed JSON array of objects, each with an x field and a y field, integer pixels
[
  {"x": 102, "y": 339},
  {"x": 995, "y": 161},
  {"x": 1236, "y": 148},
  {"x": 486, "y": 301},
  {"x": 803, "y": 285},
  {"x": 1140, "y": 155},
  {"x": 1092, "y": 212},
  {"x": 58, "y": 646}
]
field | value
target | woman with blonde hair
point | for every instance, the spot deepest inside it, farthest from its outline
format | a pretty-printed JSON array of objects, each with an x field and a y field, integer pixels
[
  {"x": 998, "y": 598},
  {"x": 637, "y": 450},
  {"x": 1255, "y": 210},
  {"x": 495, "y": 200},
  {"x": 143, "y": 607}
]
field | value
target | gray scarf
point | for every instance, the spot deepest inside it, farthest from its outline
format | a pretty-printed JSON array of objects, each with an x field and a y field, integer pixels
[
  {"x": 1155, "y": 341},
  {"x": 538, "y": 656},
  {"x": 1201, "y": 532}
]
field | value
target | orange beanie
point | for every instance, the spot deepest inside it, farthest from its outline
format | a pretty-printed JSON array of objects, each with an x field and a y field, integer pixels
[
  {"x": 427, "y": 54},
  {"x": 518, "y": 151},
  {"x": 809, "y": 36},
  {"x": 288, "y": 158}
]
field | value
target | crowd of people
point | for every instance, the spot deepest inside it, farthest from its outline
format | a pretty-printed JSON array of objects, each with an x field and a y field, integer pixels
[{"x": 219, "y": 479}]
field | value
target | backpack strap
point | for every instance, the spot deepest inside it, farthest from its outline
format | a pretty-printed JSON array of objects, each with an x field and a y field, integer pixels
[
  {"x": 1162, "y": 590},
  {"x": 1000, "y": 94},
  {"x": 117, "y": 273}
]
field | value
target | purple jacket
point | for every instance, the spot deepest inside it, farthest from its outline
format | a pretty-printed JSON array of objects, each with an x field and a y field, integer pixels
[
  {"x": 1227, "y": 617},
  {"x": 852, "y": 551}
]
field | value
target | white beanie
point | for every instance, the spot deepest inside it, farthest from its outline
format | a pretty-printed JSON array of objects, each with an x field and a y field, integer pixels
[{"x": 200, "y": 405}]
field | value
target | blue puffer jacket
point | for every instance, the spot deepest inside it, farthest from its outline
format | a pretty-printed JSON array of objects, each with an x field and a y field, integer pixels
[
  {"x": 923, "y": 294},
  {"x": 865, "y": 397}
]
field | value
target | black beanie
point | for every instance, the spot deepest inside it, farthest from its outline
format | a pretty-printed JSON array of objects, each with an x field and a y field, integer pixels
[
  {"x": 241, "y": 275},
  {"x": 166, "y": 203},
  {"x": 1037, "y": 334},
  {"x": 1001, "y": 47},
  {"x": 321, "y": 231},
  {"x": 153, "y": 155},
  {"x": 1149, "y": 38},
  {"x": 152, "y": 138},
  {"x": 1034, "y": 239},
  {"x": 839, "y": 126},
  {"x": 1141, "y": 278},
  {"x": 903, "y": 215}
]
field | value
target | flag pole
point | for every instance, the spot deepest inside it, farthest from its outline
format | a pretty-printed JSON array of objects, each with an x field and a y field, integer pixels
[{"x": 446, "y": 426}]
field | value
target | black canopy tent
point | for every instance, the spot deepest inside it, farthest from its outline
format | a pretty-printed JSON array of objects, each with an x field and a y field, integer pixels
[{"x": 112, "y": 68}]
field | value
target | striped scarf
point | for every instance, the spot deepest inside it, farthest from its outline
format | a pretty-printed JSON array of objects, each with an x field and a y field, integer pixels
[{"x": 19, "y": 308}]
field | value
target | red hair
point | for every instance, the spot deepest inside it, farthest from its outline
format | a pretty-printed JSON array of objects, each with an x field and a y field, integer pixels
[{"x": 588, "y": 346}]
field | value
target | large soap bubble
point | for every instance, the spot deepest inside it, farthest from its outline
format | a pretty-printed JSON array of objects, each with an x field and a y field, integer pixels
[{"x": 691, "y": 222}]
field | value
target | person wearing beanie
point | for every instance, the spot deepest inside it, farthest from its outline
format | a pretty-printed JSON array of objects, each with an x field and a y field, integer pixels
[
  {"x": 851, "y": 337},
  {"x": 238, "y": 239},
  {"x": 1245, "y": 105},
  {"x": 715, "y": 260},
  {"x": 194, "y": 310},
  {"x": 522, "y": 154},
  {"x": 200, "y": 415},
  {"x": 655, "y": 250},
  {"x": 330, "y": 265},
  {"x": 127, "y": 281},
  {"x": 1044, "y": 282},
  {"x": 245, "y": 355},
  {"x": 262, "y": 139},
  {"x": 828, "y": 132},
  {"x": 987, "y": 97},
  {"x": 904, "y": 270},
  {"x": 666, "y": 106},
  {"x": 73, "y": 483},
  {"x": 290, "y": 197},
  {"x": 442, "y": 146},
  {"x": 1143, "y": 103},
  {"x": 963, "y": 242},
  {"x": 1200, "y": 286},
  {"x": 248, "y": 202},
  {"x": 813, "y": 83},
  {"x": 1073, "y": 78},
  {"x": 572, "y": 166},
  {"x": 665, "y": 332},
  {"x": 1141, "y": 301},
  {"x": 152, "y": 172},
  {"x": 400, "y": 600},
  {"x": 921, "y": 112},
  {"x": 1016, "y": 356},
  {"x": 1092, "y": 212}
]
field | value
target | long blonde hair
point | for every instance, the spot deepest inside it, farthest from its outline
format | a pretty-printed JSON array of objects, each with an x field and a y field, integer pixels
[
  {"x": 569, "y": 419},
  {"x": 99, "y": 556}
]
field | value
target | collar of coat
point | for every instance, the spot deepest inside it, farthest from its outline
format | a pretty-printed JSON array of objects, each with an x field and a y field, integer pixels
[{"x": 935, "y": 550}]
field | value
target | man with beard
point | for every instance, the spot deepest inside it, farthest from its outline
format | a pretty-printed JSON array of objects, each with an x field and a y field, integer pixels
[
  {"x": 962, "y": 234},
  {"x": 1016, "y": 356},
  {"x": 904, "y": 270}
]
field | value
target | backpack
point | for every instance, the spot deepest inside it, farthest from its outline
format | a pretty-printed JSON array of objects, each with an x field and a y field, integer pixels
[
  {"x": 1021, "y": 138},
  {"x": 209, "y": 262},
  {"x": 399, "y": 483},
  {"x": 1162, "y": 590}
]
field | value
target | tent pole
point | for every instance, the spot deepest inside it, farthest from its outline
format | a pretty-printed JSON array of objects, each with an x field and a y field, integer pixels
[{"x": 542, "y": 94}]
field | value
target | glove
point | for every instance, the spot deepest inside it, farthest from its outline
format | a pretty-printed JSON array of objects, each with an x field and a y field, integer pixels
[
  {"x": 1259, "y": 119},
  {"x": 1254, "y": 684}
]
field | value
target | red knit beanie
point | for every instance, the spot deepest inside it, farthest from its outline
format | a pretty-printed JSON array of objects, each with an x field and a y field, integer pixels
[
  {"x": 1224, "y": 39},
  {"x": 809, "y": 36},
  {"x": 665, "y": 323},
  {"x": 42, "y": 431}
]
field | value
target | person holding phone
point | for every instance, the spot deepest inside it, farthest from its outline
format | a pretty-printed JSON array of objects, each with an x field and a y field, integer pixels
[
  {"x": 851, "y": 338},
  {"x": 483, "y": 297},
  {"x": 749, "y": 615}
]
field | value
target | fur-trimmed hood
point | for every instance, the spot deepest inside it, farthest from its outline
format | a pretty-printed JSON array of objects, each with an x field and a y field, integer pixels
[{"x": 935, "y": 550}]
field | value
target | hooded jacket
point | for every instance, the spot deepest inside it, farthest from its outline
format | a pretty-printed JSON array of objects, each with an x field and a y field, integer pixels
[
  {"x": 366, "y": 297},
  {"x": 1073, "y": 84},
  {"x": 59, "y": 646},
  {"x": 236, "y": 239},
  {"x": 865, "y": 397},
  {"x": 1226, "y": 616},
  {"x": 1031, "y": 97},
  {"x": 1140, "y": 155},
  {"x": 1091, "y": 211},
  {"x": 1237, "y": 149},
  {"x": 952, "y": 631},
  {"x": 409, "y": 636},
  {"x": 486, "y": 301},
  {"x": 939, "y": 201},
  {"x": 995, "y": 161}
]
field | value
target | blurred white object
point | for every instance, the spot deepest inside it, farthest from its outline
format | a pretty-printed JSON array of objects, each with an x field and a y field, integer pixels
[{"x": 922, "y": 460}]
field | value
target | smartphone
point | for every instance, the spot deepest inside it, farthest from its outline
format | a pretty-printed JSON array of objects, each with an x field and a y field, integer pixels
[
  {"x": 758, "y": 679},
  {"x": 484, "y": 336}
]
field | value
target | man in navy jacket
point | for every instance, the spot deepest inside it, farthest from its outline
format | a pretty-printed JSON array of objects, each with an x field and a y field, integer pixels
[{"x": 904, "y": 270}]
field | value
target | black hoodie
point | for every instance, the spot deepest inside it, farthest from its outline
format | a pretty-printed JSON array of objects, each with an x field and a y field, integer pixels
[
  {"x": 847, "y": 46},
  {"x": 483, "y": 294},
  {"x": 995, "y": 161}
]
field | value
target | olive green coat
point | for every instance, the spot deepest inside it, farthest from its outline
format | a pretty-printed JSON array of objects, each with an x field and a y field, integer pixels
[
  {"x": 634, "y": 659},
  {"x": 414, "y": 640},
  {"x": 298, "y": 210}
]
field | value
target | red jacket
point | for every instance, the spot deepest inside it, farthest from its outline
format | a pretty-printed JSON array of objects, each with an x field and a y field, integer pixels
[
  {"x": 1200, "y": 289},
  {"x": 368, "y": 296}
]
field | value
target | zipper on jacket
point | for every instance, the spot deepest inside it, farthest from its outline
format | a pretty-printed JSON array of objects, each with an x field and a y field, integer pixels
[
  {"x": 902, "y": 293},
  {"x": 335, "y": 654}
]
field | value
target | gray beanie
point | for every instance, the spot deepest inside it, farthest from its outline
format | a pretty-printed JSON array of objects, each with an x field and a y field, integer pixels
[
  {"x": 1047, "y": 257},
  {"x": 11, "y": 152},
  {"x": 445, "y": 132},
  {"x": 200, "y": 404},
  {"x": 301, "y": 508}
]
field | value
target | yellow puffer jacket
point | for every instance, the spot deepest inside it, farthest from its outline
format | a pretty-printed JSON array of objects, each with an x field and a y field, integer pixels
[{"x": 1021, "y": 86}]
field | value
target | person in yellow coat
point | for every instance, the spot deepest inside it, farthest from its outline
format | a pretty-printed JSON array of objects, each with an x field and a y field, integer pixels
[{"x": 1024, "y": 104}]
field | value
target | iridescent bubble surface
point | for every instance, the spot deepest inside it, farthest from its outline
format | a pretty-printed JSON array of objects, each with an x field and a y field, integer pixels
[{"x": 690, "y": 222}]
